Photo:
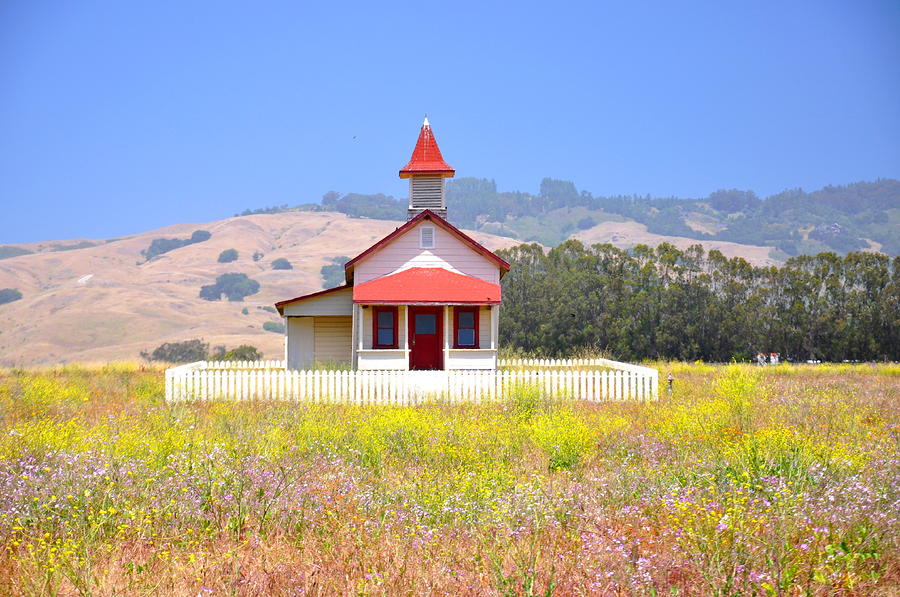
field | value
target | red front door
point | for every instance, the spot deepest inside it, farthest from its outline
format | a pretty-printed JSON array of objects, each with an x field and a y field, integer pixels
[{"x": 426, "y": 338}]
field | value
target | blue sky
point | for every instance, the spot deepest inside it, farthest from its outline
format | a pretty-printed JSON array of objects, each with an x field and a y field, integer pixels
[{"x": 120, "y": 117}]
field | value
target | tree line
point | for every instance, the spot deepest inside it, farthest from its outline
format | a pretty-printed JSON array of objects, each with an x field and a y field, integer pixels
[
  {"x": 188, "y": 351},
  {"x": 158, "y": 246},
  {"x": 687, "y": 304},
  {"x": 834, "y": 218}
]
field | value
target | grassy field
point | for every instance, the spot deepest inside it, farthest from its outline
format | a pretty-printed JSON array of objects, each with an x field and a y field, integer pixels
[{"x": 782, "y": 481}]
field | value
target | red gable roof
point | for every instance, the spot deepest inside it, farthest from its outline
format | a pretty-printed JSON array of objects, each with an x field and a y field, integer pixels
[
  {"x": 436, "y": 219},
  {"x": 426, "y": 157},
  {"x": 427, "y": 285}
]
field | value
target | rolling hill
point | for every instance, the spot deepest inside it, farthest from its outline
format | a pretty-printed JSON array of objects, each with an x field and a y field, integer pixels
[
  {"x": 844, "y": 218},
  {"x": 99, "y": 300},
  {"x": 104, "y": 301}
]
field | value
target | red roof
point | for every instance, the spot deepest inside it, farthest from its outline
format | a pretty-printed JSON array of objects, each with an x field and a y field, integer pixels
[
  {"x": 426, "y": 157},
  {"x": 427, "y": 285},
  {"x": 436, "y": 219}
]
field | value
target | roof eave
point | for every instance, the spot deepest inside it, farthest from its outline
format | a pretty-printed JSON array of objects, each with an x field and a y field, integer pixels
[
  {"x": 409, "y": 173},
  {"x": 280, "y": 305},
  {"x": 371, "y": 302},
  {"x": 427, "y": 215}
]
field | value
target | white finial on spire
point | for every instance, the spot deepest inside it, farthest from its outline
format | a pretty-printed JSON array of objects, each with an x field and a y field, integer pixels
[{"x": 426, "y": 121}]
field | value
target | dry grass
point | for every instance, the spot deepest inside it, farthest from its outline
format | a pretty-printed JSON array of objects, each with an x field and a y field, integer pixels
[
  {"x": 626, "y": 235},
  {"x": 129, "y": 305}
]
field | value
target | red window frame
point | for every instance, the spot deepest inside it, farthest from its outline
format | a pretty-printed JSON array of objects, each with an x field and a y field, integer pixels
[
  {"x": 476, "y": 312},
  {"x": 375, "y": 312}
]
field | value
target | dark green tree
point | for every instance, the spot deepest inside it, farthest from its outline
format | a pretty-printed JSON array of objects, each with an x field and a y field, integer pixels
[
  {"x": 333, "y": 273},
  {"x": 274, "y": 326},
  {"x": 244, "y": 352},
  {"x": 228, "y": 255},
  {"x": 281, "y": 263},
  {"x": 8, "y": 295},
  {"x": 684, "y": 304},
  {"x": 158, "y": 246},
  {"x": 178, "y": 352},
  {"x": 234, "y": 286}
]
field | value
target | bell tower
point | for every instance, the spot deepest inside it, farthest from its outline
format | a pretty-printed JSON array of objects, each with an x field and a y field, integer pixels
[{"x": 426, "y": 172}]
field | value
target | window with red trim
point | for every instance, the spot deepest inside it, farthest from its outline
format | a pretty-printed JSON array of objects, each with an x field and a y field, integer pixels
[
  {"x": 465, "y": 327},
  {"x": 384, "y": 327}
]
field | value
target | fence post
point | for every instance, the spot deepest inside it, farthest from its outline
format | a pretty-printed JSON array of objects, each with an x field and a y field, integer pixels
[{"x": 170, "y": 384}]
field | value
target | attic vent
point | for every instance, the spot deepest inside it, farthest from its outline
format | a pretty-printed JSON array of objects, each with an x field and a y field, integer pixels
[{"x": 426, "y": 237}]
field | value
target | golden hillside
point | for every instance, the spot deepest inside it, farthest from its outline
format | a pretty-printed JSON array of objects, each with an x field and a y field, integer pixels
[{"x": 106, "y": 303}]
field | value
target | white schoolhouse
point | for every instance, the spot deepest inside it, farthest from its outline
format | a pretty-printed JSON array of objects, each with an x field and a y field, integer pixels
[{"x": 426, "y": 296}]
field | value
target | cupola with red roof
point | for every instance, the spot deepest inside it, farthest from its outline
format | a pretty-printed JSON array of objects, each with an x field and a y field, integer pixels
[{"x": 426, "y": 172}]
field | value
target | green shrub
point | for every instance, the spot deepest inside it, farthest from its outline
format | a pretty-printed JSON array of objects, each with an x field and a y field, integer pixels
[
  {"x": 564, "y": 437},
  {"x": 228, "y": 255},
  {"x": 7, "y": 251},
  {"x": 234, "y": 286},
  {"x": 526, "y": 400},
  {"x": 282, "y": 263},
  {"x": 187, "y": 351},
  {"x": 738, "y": 386},
  {"x": 244, "y": 352},
  {"x": 163, "y": 245},
  {"x": 85, "y": 244},
  {"x": 333, "y": 273},
  {"x": 274, "y": 326},
  {"x": 274, "y": 209},
  {"x": 8, "y": 295}
]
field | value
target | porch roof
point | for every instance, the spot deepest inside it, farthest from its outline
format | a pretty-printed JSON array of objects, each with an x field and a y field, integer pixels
[{"x": 427, "y": 285}]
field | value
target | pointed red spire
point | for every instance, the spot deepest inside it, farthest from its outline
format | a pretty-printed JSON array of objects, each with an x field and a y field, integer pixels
[{"x": 426, "y": 157}]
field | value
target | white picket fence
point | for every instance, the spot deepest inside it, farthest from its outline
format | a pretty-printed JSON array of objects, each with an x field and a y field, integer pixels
[
  {"x": 238, "y": 365},
  {"x": 570, "y": 363},
  {"x": 592, "y": 380}
]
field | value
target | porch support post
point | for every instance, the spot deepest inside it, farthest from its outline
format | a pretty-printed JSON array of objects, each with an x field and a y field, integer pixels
[
  {"x": 495, "y": 333},
  {"x": 287, "y": 327},
  {"x": 495, "y": 326},
  {"x": 447, "y": 332},
  {"x": 361, "y": 330},
  {"x": 403, "y": 330},
  {"x": 354, "y": 312}
]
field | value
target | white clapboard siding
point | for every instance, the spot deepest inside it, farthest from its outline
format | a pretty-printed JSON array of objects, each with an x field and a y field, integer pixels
[
  {"x": 264, "y": 380},
  {"x": 330, "y": 302},
  {"x": 333, "y": 339},
  {"x": 404, "y": 252}
]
